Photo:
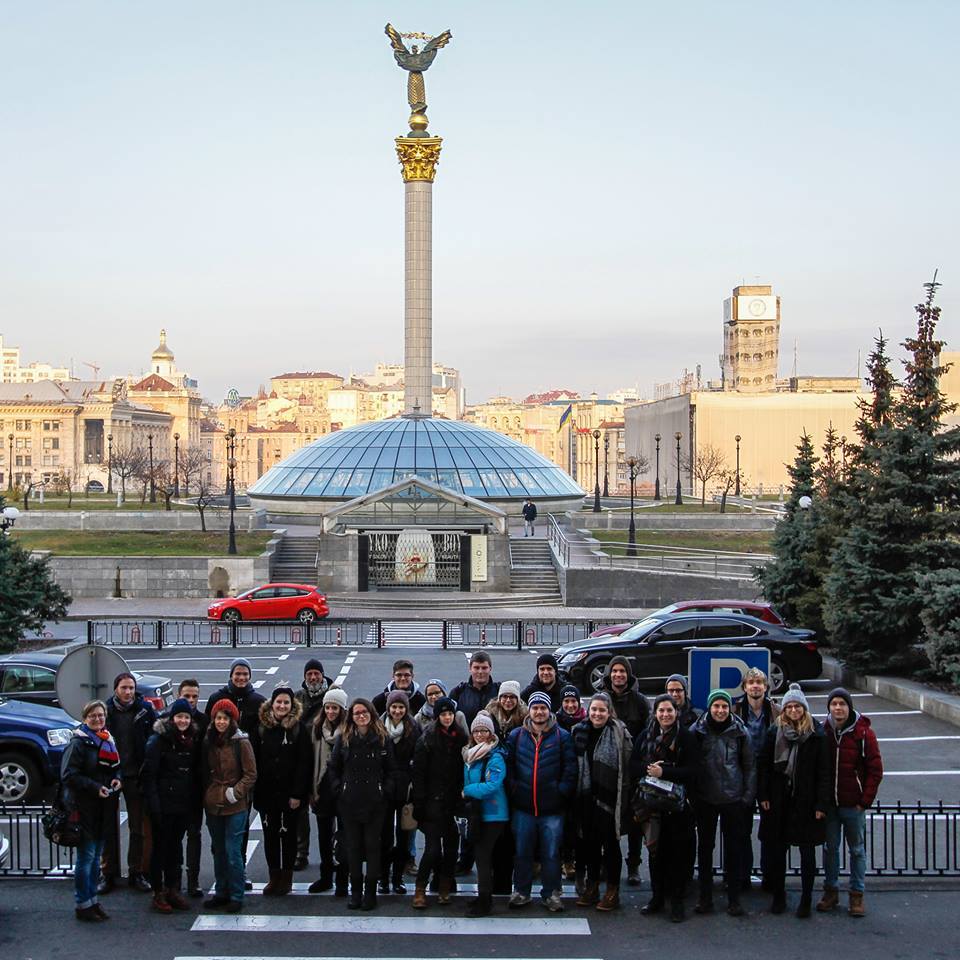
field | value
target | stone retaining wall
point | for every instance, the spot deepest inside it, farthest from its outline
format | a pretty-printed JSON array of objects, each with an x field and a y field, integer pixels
[{"x": 217, "y": 518}]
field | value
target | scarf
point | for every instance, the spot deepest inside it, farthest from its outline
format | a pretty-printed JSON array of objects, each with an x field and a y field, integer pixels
[
  {"x": 479, "y": 750},
  {"x": 123, "y": 707},
  {"x": 394, "y": 731},
  {"x": 426, "y": 713},
  {"x": 322, "y": 749},
  {"x": 107, "y": 755},
  {"x": 787, "y": 749},
  {"x": 661, "y": 744},
  {"x": 601, "y": 775},
  {"x": 183, "y": 739}
]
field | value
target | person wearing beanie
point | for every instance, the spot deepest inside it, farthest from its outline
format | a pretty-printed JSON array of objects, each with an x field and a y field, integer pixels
[
  {"x": 433, "y": 690},
  {"x": 508, "y": 710},
  {"x": 281, "y": 746},
  {"x": 168, "y": 779},
  {"x": 130, "y": 720},
  {"x": 545, "y": 681},
  {"x": 484, "y": 778},
  {"x": 668, "y": 751},
  {"x": 726, "y": 784},
  {"x": 542, "y": 780},
  {"x": 603, "y": 746},
  {"x": 228, "y": 775},
  {"x": 855, "y": 772},
  {"x": 437, "y": 786},
  {"x": 793, "y": 788},
  {"x": 570, "y": 714},
  {"x": 676, "y": 686},
  {"x": 402, "y": 679},
  {"x": 571, "y": 710},
  {"x": 239, "y": 690}
]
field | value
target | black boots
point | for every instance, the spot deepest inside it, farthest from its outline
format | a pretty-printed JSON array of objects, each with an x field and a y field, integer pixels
[
  {"x": 356, "y": 894},
  {"x": 481, "y": 907},
  {"x": 369, "y": 896}
]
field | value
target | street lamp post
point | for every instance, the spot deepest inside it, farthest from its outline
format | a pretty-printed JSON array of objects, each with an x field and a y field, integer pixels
[
  {"x": 656, "y": 482},
  {"x": 109, "y": 463},
  {"x": 176, "y": 464},
  {"x": 10, "y": 471},
  {"x": 153, "y": 486},
  {"x": 596, "y": 471},
  {"x": 679, "y": 499},
  {"x": 843, "y": 458},
  {"x": 606, "y": 465},
  {"x": 231, "y": 481},
  {"x": 8, "y": 517},
  {"x": 632, "y": 533},
  {"x": 736, "y": 491}
]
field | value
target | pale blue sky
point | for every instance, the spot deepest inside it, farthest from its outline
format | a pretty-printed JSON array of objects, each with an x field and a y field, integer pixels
[{"x": 610, "y": 170}]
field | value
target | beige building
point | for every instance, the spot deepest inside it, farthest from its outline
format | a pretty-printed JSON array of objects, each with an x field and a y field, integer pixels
[
  {"x": 12, "y": 371},
  {"x": 751, "y": 339},
  {"x": 312, "y": 385}
]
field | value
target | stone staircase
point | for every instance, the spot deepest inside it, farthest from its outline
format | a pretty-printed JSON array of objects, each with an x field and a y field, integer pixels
[
  {"x": 532, "y": 570},
  {"x": 295, "y": 561}
]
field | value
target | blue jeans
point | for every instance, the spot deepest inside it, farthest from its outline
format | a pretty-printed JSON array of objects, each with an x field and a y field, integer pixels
[
  {"x": 226, "y": 837},
  {"x": 86, "y": 872},
  {"x": 527, "y": 830},
  {"x": 853, "y": 823}
]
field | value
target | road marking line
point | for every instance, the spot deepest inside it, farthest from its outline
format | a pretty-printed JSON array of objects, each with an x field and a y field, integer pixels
[
  {"x": 303, "y": 889},
  {"x": 285, "y": 656},
  {"x": 291, "y": 649},
  {"x": 251, "y": 849},
  {"x": 255, "y": 824},
  {"x": 259, "y": 684},
  {"x": 444, "y": 926},
  {"x": 226, "y": 660},
  {"x": 914, "y": 739},
  {"x": 272, "y": 671},
  {"x": 921, "y": 773},
  {"x": 364, "y": 957}
]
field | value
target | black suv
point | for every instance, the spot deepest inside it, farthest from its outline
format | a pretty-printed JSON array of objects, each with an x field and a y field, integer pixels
[{"x": 657, "y": 647}]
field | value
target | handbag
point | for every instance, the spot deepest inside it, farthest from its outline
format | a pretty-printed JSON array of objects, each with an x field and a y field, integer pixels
[
  {"x": 407, "y": 819},
  {"x": 61, "y": 826},
  {"x": 660, "y": 796}
]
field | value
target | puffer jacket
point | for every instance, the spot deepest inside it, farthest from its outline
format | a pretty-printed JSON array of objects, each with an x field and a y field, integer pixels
[
  {"x": 470, "y": 700},
  {"x": 502, "y": 721},
  {"x": 632, "y": 708},
  {"x": 82, "y": 777},
  {"x": 361, "y": 774},
  {"x": 169, "y": 776},
  {"x": 541, "y": 771},
  {"x": 728, "y": 771},
  {"x": 485, "y": 780},
  {"x": 284, "y": 759},
  {"x": 437, "y": 772},
  {"x": 223, "y": 765},
  {"x": 856, "y": 767}
]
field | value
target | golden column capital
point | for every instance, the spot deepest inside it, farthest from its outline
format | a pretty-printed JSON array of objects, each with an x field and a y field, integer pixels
[{"x": 418, "y": 156}]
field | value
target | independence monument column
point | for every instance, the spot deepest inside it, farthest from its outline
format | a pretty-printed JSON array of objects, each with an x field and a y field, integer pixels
[{"x": 419, "y": 154}]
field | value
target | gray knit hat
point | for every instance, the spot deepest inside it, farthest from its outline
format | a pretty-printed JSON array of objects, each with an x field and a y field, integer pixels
[
  {"x": 483, "y": 721},
  {"x": 336, "y": 695},
  {"x": 795, "y": 695},
  {"x": 510, "y": 686}
]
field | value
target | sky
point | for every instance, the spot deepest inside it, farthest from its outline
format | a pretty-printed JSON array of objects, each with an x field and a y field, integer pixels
[{"x": 226, "y": 169}]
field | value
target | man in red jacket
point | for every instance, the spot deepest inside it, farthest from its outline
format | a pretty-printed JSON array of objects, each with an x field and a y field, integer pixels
[{"x": 855, "y": 771}]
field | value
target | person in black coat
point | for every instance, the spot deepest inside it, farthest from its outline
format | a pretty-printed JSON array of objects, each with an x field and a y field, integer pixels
[
  {"x": 437, "y": 795},
  {"x": 171, "y": 792},
  {"x": 403, "y": 733},
  {"x": 310, "y": 695},
  {"x": 282, "y": 749},
  {"x": 667, "y": 750},
  {"x": 546, "y": 682},
  {"x": 189, "y": 690},
  {"x": 793, "y": 784},
  {"x": 362, "y": 772},
  {"x": 241, "y": 693}
]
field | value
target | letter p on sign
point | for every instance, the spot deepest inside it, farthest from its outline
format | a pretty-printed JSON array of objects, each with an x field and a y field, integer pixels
[{"x": 710, "y": 668}]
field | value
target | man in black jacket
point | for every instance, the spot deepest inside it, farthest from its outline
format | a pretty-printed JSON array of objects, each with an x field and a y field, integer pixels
[
  {"x": 130, "y": 720},
  {"x": 546, "y": 682},
  {"x": 402, "y": 680},
  {"x": 310, "y": 697},
  {"x": 529, "y": 517},
  {"x": 473, "y": 694},
  {"x": 240, "y": 692}
]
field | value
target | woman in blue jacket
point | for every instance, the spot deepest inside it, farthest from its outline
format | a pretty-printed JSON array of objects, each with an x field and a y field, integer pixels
[{"x": 484, "y": 773}]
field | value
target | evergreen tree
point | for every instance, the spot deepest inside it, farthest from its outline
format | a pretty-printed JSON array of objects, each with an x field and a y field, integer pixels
[
  {"x": 29, "y": 596},
  {"x": 941, "y": 619}
]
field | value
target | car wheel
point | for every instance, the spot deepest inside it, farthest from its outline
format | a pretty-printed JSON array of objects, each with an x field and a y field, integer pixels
[
  {"x": 595, "y": 673},
  {"x": 230, "y": 616},
  {"x": 19, "y": 779},
  {"x": 306, "y": 615},
  {"x": 779, "y": 676}
]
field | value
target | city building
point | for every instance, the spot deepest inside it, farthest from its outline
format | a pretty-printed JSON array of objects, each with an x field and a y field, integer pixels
[
  {"x": 751, "y": 339},
  {"x": 12, "y": 371}
]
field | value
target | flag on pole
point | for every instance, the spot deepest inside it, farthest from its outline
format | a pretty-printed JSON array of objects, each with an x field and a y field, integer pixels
[{"x": 565, "y": 417}]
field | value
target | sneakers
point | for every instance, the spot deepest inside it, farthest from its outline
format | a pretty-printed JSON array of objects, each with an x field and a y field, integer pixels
[
  {"x": 553, "y": 903},
  {"x": 518, "y": 900}
]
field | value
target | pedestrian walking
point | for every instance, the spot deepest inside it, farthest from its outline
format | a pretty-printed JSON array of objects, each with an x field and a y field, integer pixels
[
  {"x": 310, "y": 697},
  {"x": 395, "y": 842},
  {"x": 529, "y": 512}
]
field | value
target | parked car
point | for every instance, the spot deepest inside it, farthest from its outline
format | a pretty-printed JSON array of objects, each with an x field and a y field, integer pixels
[
  {"x": 32, "y": 740},
  {"x": 657, "y": 647},
  {"x": 272, "y": 601},
  {"x": 753, "y": 608},
  {"x": 31, "y": 676}
]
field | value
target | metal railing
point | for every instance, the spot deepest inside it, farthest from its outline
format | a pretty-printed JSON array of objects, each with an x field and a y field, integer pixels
[{"x": 902, "y": 840}]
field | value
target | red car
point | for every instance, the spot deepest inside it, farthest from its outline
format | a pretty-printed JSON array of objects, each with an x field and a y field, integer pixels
[
  {"x": 752, "y": 608},
  {"x": 272, "y": 601}
]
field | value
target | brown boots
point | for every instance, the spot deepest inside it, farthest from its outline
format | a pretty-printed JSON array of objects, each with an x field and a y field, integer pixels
[
  {"x": 610, "y": 900},
  {"x": 856, "y": 904},
  {"x": 176, "y": 900},
  {"x": 419, "y": 898},
  {"x": 445, "y": 888},
  {"x": 829, "y": 900},
  {"x": 590, "y": 895}
]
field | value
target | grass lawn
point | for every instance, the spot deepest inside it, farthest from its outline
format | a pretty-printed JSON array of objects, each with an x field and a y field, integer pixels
[
  {"x": 80, "y": 502},
  {"x": 739, "y": 541},
  {"x": 159, "y": 543}
]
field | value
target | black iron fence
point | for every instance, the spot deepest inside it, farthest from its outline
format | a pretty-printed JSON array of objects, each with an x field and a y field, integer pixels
[{"x": 903, "y": 840}]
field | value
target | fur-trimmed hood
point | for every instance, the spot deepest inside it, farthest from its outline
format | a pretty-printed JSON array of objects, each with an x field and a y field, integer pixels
[
  {"x": 164, "y": 727},
  {"x": 289, "y": 722}
]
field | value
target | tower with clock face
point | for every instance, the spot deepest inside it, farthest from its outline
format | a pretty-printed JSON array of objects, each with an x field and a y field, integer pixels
[{"x": 751, "y": 339}]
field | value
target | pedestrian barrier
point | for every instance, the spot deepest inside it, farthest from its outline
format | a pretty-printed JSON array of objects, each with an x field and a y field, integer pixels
[{"x": 903, "y": 840}]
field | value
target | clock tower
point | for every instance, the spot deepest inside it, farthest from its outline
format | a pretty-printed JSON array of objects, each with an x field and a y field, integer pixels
[{"x": 751, "y": 339}]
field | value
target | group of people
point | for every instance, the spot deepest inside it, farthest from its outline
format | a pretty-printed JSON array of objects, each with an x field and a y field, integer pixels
[{"x": 505, "y": 778}]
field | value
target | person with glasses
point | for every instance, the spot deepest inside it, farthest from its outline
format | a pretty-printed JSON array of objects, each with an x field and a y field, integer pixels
[{"x": 402, "y": 680}]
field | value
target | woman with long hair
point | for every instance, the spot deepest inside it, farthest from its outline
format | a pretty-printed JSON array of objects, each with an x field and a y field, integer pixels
[
  {"x": 793, "y": 784},
  {"x": 362, "y": 777},
  {"x": 395, "y": 841},
  {"x": 508, "y": 710}
]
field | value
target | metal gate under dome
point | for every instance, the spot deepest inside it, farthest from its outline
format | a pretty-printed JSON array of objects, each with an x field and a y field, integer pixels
[{"x": 415, "y": 559}]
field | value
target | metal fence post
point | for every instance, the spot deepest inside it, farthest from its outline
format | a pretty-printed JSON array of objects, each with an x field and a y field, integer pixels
[
  {"x": 309, "y": 633},
  {"x": 443, "y": 635},
  {"x": 91, "y": 634},
  {"x": 379, "y": 634},
  {"x": 519, "y": 634},
  {"x": 234, "y": 632},
  {"x": 159, "y": 634}
]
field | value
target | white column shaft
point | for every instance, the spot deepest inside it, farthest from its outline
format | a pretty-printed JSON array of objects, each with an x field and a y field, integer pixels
[{"x": 418, "y": 299}]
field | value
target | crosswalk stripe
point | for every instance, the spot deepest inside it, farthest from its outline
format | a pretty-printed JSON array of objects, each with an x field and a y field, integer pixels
[
  {"x": 364, "y": 957},
  {"x": 444, "y": 926},
  {"x": 302, "y": 889}
]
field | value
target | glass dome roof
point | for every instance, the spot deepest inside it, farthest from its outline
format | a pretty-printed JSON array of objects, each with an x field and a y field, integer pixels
[{"x": 459, "y": 456}]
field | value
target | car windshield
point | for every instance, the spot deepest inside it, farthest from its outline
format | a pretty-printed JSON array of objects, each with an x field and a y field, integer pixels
[{"x": 640, "y": 629}]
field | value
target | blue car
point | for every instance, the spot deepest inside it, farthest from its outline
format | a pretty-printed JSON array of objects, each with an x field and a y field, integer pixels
[{"x": 32, "y": 741}]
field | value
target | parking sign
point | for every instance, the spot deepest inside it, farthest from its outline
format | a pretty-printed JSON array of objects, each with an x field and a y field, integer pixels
[{"x": 710, "y": 668}]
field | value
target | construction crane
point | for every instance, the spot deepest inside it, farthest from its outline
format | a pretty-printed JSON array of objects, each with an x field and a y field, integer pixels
[{"x": 95, "y": 367}]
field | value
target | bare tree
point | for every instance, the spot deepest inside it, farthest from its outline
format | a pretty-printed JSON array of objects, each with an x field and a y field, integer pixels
[
  {"x": 205, "y": 497},
  {"x": 163, "y": 478},
  {"x": 728, "y": 479},
  {"x": 63, "y": 484},
  {"x": 192, "y": 465},
  {"x": 28, "y": 484},
  {"x": 708, "y": 463},
  {"x": 126, "y": 466}
]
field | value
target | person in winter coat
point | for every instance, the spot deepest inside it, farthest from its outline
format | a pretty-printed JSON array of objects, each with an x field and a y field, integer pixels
[
  {"x": 855, "y": 772},
  {"x": 793, "y": 785},
  {"x": 472, "y": 695},
  {"x": 395, "y": 843},
  {"x": 402, "y": 680},
  {"x": 189, "y": 690},
  {"x": 89, "y": 775},
  {"x": 240, "y": 692},
  {"x": 529, "y": 512},
  {"x": 545, "y": 682},
  {"x": 433, "y": 690},
  {"x": 484, "y": 776},
  {"x": 541, "y": 781},
  {"x": 362, "y": 775},
  {"x": 508, "y": 710},
  {"x": 727, "y": 783},
  {"x": 170, "y": 791},
  {"x": 282, "y": 749},
  {"x": 676, "y": 686},
  {"x": 668, "y": 751},
  {"x": 603, "y": 745},
  {"x": 633, "y": 711},
  {"x": 437, "y": 794},
  {"x": 571, "y": 711},
  {"x": 228, "y": 774},
  {"x": 130, "y": 720},
  {"x": 324, "y": 731},
  {"x": 310, "y": 696}
]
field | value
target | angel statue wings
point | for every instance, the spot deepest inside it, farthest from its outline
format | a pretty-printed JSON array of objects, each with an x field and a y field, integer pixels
[{"x": 416, "y": 63}]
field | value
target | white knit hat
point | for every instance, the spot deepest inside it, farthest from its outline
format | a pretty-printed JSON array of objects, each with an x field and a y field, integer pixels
[
  {"x": 510, "y": 686},
  {"x": 336, "y": 695}
]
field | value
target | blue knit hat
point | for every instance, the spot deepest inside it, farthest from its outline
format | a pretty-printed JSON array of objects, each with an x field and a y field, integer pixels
[
  {"x": 180, "y": 706},
  {"x": 541, "y": 698}
]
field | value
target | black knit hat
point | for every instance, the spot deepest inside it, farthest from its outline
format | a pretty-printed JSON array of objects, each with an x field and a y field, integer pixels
[
  {"x": 546, "y": 660},
  {"x": 843, "y": 695},
  {"x": 444, "y": 705},
  {"x": 569, "y": 691},
  {"x": 283, "y": 688},
  {"x": 313, "y": 664}
]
